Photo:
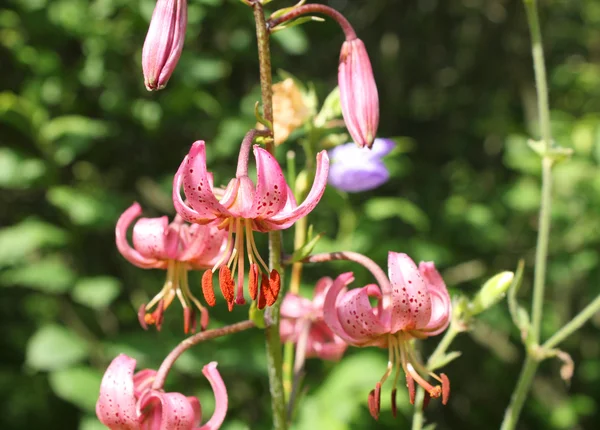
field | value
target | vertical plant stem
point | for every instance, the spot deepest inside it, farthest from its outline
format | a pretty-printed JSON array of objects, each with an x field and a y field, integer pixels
[
  {"x": 511, "y": 416},
  {"x": 273, "y": 341}
]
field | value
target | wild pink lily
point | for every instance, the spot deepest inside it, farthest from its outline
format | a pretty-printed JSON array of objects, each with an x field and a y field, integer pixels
[
  {"x": 302, "y": 323},
  {"x": 127, "y": 401},
  {"x": 164, "y": 42},
  {"x": 241, "y": 209},
  {"x": 415, "y": 304},
  {"x": 176, "y": 247}
]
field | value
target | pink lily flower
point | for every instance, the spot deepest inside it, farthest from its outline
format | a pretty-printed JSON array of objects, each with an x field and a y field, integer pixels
[
  {"x": 415, "y": 305},
  {"x": 240, "y": 209},
  {"x": 302, "y": 323},
  {"x": 175, "y": 247},
  {"x": 127, "y": 401}
]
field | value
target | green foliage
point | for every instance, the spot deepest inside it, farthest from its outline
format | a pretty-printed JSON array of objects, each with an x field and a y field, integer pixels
[{"x": 81, "y": 139}]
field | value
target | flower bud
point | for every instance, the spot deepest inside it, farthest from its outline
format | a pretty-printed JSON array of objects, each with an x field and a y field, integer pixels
[
  {"x": 491, "y": 293},
  {"x": 164, "y": 42},
  {"x": 358, "y": 93}
]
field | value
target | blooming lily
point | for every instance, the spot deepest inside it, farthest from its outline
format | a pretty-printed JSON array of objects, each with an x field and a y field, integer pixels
[
  {"x": 164, "y": 42},
  {"x": 241, "y": 209},
  {"x": 302, "y": 323},
  {"x": 355, "y": 169},
  {"x": 358, "y": 92},
  {"x": 127, "y": 401},
  {"x": 415, "y": 304},
  {"x": 176, "y": 247}
]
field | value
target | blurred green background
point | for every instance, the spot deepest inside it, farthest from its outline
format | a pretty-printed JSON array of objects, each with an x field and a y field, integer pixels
[{"x": 81, "y": 139}]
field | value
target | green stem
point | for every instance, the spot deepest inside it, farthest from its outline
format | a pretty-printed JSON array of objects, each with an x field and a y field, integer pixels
[
  {"x": 530, "y": 366},
  {"x": 440, "y": 350},
  {"x": 272, "y": 315},
  {"x": 573, "y": 325}
]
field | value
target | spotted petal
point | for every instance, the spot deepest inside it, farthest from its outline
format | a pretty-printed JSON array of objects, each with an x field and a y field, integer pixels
[
  {"x": 441, "y": 307},
  {"x": 171, "y": 411},
  {"x": 153, "y": 238},
  {"x": 220, "y": 391},
  {"x": 271, "y": 192},
  {"x": 410, "y": 299},
  {"x": 116, "y": 406}
]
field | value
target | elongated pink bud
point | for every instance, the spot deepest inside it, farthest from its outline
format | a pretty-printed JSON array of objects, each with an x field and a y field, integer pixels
[
  {"x": 164, "y": 42},
  {"x": 358, "y": 93}
]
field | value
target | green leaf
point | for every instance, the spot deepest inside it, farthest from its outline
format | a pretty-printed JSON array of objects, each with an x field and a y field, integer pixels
[
  {"x": 84, "y": 208},
  {"x": 20, "y": 240},
  {"x": 444, "y": 360},
  {"x": 292, "y": 40},
  {"x": 78, "y": 385},
  {"x": 50, "y": 274},
  {"x": 383, "y": 208},
  {"x": 17, "y": 171},
  {"x": 96, "y": 293},
  {"x": 53, "y": 347}
]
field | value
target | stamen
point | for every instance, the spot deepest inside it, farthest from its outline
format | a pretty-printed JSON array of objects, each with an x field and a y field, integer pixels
[
  {"x": 203, "y": 318},
  {"x": 207, "y": 288},
  {"x": 410, "y": 370},
  {"x": 141, "y": 316},
  {"x": 252, "y": 248},
  {"x": 188, "y": 320},
  {"x": 394, "y": 407},
  {"x": 274, "y": 287},
  {"x": 445, "y": 388},
  {"x": 410, "y": 384},
  {"x": 253, "y": 281},
  {"x": 239, "y": 238},
  {"x": 264, "y": 289},
  {"x": 375, "y": 401},
  {"x": 221, "y": 260},
  {"x": 227, "y": 286},
  {"x": 426, "y": 400}
]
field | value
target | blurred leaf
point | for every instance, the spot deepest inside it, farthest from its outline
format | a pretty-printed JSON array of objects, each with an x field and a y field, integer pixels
[
  {"x": 381, "y": 208},
  {"x": 96, "y": 293},
  {"x": 21, "y": 113},
  {"x": 17, "y": 171},
  {"x": 292, "y": 40},
  {"x": 50, "y": 274},
  {"x": 54, "y": 347},
  {"x": 91, "y": 423},
  {"x": 78, "y": 385},
  {"x": 20, "y": 240},
  {"x": 84, "y": 208}
]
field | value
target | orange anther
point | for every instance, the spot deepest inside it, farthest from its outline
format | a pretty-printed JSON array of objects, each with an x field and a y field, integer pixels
[
  {"x": 253, "y": 281},
  {"x": 207, "y": 288},
  {"x": 227, "y": 286},
  {"x": 445, "y": 388}
]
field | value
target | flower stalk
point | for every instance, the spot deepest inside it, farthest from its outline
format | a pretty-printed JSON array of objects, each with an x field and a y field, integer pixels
[{"x": 272, "y": 317}]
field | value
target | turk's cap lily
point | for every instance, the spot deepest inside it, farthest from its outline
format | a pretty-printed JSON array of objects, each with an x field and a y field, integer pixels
[
  {"x": 269, "y": 205},
  {"x": 156, "y": 241},
  {"x": 164, "y": 42},
  {"x": 355, "y": 169},
  {"x": 358, "y": 93},
  {"x": 416, "y": 303},
  {"x": 127, "y": 401},
  {"x": 304, "y": 317}
]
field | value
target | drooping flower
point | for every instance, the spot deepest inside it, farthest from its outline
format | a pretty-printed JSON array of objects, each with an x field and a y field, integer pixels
[
  {"x": 355, "y": 169},
  {"x": 415, "y": 305},
  {"x": 289, "y": 109},
  {"x": 127, "y": 401},
  {"x": 358, "y": 93},
  {"x": 176, "y": 247},
  {"x": 302, "y": 323},
  {"x": 241, "y": 209},
  {"x": 164, "y": 42}
]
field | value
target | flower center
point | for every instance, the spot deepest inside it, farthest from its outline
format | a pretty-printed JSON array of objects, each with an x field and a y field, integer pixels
[
  {"x": 240, "y": 243},
  {"x": 176, "y": 285}
]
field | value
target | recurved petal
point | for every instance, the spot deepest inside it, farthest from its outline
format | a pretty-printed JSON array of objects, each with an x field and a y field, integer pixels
[
  {"x": 193, "y": 176},
  {"x": 204, "y": 246},
  {"x": 142, "y": 381},
  {"x": 441, "y": 306},
  {"x": 131, "y": 254},
  {"x": 330, "y": 312},
  {"x": 220, "y": 391},
  {"x": 153, "y": 238},
  {"x": 410, "y": 298},
  {"x": 286, "y": 219},
  {"x": 116, "y": 406},
  {"x": 166, "y": 411},
  {"x": 271, "y": 189},
  {"x": 331, "y": 348},
  {"x": 320, "y": 293},
  {"x": 358, "y": 317}
]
